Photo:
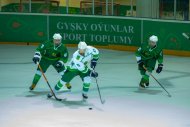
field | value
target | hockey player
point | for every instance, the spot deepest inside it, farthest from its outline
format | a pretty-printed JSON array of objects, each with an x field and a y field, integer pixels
[
  {"x": 78, "y": 66},
  {"x": 49, "y": 53},
  {"x": 147, "y": 56}
]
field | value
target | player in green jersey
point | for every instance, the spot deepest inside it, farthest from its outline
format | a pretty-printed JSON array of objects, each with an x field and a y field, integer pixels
[
  {"x": 52, "y": 52},
  {"x": 147, "y": 56}
]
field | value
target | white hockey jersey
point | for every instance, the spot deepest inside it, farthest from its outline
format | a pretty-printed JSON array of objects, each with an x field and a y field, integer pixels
[{"x": 80, "y": 62}]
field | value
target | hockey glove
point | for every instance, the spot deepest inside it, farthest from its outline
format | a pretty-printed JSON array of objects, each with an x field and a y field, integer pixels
[
  {"x": 59, "y": 64},
  {"x": 140, "y": 63},
  {"x": 36, "y": 57},
  {"x": 159, "y": 69},
  {"x": 93, "y": 63},
  {"x": 93, "y": 74}
]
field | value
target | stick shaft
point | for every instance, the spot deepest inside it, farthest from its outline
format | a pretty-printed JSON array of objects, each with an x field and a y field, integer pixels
[
  {"x": 47, "y": 81},
  {"x": 156, "y": 80},
  {"x": 98, "y": 89},
  {"x": 160, "y": 84}
]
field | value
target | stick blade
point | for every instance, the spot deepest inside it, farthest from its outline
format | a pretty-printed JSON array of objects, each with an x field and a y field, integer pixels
[
  {"x": 58, "y": 99},
  {"x": 103, "y": 101}
]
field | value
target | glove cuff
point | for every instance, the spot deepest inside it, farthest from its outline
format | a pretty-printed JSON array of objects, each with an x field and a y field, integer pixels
[
  {"x": 140, "y": 61},
  {"x": 160, "y": 65},
  {"x": 37, "y": 54},
  {"x": 94, "y": 60},
  {"x": 61, "y": 62}
]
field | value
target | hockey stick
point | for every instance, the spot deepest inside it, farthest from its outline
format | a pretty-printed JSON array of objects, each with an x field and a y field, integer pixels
[
  {"x": 48, "y": 82},
  {"x": 102, "y": 101},
  {"x": 169, "y": 95}
]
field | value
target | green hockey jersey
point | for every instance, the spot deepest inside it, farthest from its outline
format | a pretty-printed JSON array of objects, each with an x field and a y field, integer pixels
[
  {"x": 145, "y": 52},
  {"x": 50, "y": 51}
]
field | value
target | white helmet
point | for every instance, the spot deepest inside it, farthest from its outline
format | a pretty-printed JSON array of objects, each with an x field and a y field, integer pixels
[
  {"x": 153, "y": 38},
  {"x": 57, "y": 36},
  {"x": 82, "y": 45}
]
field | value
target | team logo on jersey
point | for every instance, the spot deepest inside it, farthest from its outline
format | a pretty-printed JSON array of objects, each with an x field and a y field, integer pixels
[
  {"x": 94, "y": 50},
  {"x": 147, "y": 53},
  {"x": 42, "y": 46},
  {"x": 78, "y": 65},
  {"x": 54, "y": 54},
  {"x": 85, "y": 63},
  {"x": 72, "y": 63}
]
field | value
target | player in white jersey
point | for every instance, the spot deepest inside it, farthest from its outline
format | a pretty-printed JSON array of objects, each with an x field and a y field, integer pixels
[{"x": 78, "y": 66}]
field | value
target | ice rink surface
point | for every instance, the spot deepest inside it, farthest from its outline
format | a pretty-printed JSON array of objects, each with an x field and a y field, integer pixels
[{"x": 126, "y": 105}]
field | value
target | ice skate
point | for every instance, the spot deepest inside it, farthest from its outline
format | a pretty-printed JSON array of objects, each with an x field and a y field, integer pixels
[
  {"x": 142, "y": 83},
  {"x": 49, "y": 95},
  {"x": 85, "y": 97},
  {"x": 32, "y": 86},
  {"x": 68, "y": 85},
  {"x": 147, "y": 84}
]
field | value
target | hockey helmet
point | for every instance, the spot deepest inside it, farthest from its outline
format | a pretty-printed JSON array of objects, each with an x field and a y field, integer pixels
[
  {"x": 57, "y": 36},
  {"x": 153, "y": 38},
  {"x": 82, "y": 45}
]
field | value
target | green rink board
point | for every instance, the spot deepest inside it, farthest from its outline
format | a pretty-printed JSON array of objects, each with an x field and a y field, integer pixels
[
  {"x": 169, "y": 34},
  {"x": 23, "y": 28},
  {"x": 97, "y": 30}
]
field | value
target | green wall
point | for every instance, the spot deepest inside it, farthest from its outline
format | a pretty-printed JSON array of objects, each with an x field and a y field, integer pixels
[
  {"x": 169, "y": 33},
  {"x": 23, "y": 28},
  {"x": 99, "y": 30}
]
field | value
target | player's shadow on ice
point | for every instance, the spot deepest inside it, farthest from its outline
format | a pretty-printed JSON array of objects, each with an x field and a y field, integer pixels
[
  {"x": 72, "y": 104},
  {"x": 148, "y": 91},
  {"x": 42, "y": 93},
  {"x": 37, "y": 93}
]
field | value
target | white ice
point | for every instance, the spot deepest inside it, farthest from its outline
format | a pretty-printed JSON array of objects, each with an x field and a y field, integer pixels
[{"x": 126, "y": 105}]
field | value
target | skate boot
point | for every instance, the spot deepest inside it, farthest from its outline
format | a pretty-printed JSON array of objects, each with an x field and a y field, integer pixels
[
  {"x": 32, "y": 86},
  {"x": 68, "y": 85},
  {"x": 142, "y": 83},
  {"x": 85, "y": 96},
  {"x": 49, "y": 95},
  {"x": 147, "y": 84}
]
